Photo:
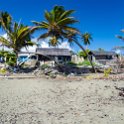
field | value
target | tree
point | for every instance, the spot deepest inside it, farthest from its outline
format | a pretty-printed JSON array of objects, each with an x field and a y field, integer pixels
[
  {"x": 101, "y": 49},
  {"x": 82, "y": 54},
  {"x": 121, "y": 37},
  {"x": 57, "y": 23},
  {"x": 18, "y": 35},
  {"x": 5, "y": 21},
  {"x": 87, "y": 37},
  {"x": 58, "y": 26}
]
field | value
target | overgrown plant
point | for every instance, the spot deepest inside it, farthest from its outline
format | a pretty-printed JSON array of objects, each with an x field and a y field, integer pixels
[
  {"x": 107, "y": 72},
  {"x": 18, "y": 35},
  {"x": 58, "y": 26}
]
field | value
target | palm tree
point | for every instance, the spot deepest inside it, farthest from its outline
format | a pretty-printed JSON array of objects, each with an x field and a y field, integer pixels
[
  {"x": 72, "y": 37},
  {"x": 86, "y": 37},
  {"x": 17, "y": 38},
  {"x": 57, "y": 23},
  {"x": 5, "y": 21},
  {"x": 121, "y": 37},
  {"x": 58, "y": 26}
]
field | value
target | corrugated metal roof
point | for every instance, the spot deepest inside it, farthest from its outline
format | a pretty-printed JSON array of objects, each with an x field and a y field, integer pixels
[
  {"x": 53, "y": 51},
  {"x": 103, "y": 53}
]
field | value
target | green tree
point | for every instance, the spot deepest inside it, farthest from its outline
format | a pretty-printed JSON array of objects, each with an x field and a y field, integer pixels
[
  {"x": 5, "y": 21},
  {"x": 83, "y": 54},
  {"x": 57, "y": 23},
  {"x": 121, "y": 37},
  {"x": 18, "y": 35},
  {"x": 58, "y": 26},
  {"x": 87, "y": 37},
  {"x": 101, "y": 49}
]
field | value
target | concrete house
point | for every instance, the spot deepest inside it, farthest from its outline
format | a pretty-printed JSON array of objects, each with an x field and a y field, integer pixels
[
  {"x": 102, "y": 56},
  {"x": 57, "y": 54}
]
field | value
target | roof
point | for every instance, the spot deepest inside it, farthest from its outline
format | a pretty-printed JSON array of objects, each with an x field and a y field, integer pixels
[
  {"x": 103, "y": 53},
  {"x": 53, "y": 52},
  {"x": 26, "y": 52}
]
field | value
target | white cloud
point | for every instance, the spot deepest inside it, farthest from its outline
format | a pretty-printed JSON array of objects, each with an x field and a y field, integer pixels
[
  {"x": 42, "y": 43},
  {"x": 65, "y": 45},
  {"x": 5, "y": 48},
  {"x": 45, "y": 44},
  {"x": 30, "y": 48}
]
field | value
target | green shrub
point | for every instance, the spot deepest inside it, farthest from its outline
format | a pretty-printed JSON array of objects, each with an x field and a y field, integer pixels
[
  {"x": 10, "y": 57},
  {"x": 44, "y": 66},
  {"x": 71, "y": 63},
  {"x": 107, "y": 72},
  {"x": 85, "y": 63},
  {"x": 83, "y": 54},
  {"x": 3, "y": 71}
]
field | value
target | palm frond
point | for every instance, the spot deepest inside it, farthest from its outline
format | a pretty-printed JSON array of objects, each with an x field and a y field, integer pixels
[
  {"x": 43, "y": 36},
  {"x": 4, "y": 41},
  {"x": 66, "y": 14}
]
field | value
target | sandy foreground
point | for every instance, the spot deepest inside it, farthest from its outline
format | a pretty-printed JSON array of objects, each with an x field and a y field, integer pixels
[{"x": 54, "y": 101}]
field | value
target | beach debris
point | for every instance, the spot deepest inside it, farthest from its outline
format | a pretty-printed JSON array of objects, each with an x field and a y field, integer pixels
[
  {"x": 121, "y": 94},
  {"x": 119, "y": 88}
]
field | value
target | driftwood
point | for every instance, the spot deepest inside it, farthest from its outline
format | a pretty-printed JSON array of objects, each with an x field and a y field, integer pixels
[{"x": 121, "y": 89}]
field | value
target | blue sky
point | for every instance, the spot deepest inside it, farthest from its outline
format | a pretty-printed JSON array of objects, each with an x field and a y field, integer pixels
[{"x": 102, "y": 18}]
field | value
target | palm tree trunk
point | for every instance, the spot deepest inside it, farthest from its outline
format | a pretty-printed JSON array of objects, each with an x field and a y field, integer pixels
[
  {"x": 16, "y": 58},
  {"x": 94, "y": 70}
]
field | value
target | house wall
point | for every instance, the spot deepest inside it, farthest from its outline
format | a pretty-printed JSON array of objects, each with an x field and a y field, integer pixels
[
  {"x": 103, "y": 57},
  {"x": 59, "y": 59},
  {"x": 76, "y": 59}
]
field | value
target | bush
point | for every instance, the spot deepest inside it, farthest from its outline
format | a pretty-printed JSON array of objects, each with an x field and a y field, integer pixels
[
  {"x": 83, "y": 54},
  {"x": 44, "y": 66},
  {"x": 72, "y": 63},
  {"x": 107, "y": 72},
  {"x": 2, "y": 70},
  {"x": 85, "y": 63},
  {"x": 10, "y": 57}
]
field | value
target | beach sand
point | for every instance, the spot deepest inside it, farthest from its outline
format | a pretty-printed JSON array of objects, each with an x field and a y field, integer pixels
[{"x": 55, "y": 101}]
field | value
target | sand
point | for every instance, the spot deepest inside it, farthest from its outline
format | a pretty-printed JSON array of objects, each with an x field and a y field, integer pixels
[{"x": 54, "y": 101}]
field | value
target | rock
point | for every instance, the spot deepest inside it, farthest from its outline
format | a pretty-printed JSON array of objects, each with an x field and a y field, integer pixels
[
  {"x": 53, "y": 75},
  {"x": 121, "y": 94},
  {"x": 71, "y": 74},
  {"x": 54, "y": 72},
  {"x": 47, "y": 71}
]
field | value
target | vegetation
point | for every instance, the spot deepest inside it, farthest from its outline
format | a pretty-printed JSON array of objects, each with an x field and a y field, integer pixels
[
  {"x": 58, "y": 26},
  {"x": 107, "y": 72},
  {"x": 84, "y": 63},
  {"x": 18, "y": 35},
  {"x": 121, "y": 37},
  {"x": 72, "y": 63},
  {"x": 87, "y": 37},
  {"x": 83, "y": 54},
  {"x": 3, "y": 71},
  {"x": 9, "y": 58},
  {"x": 101, "y": 49},
  {"x": 5, "y": 21},
  {"x": 44, "y": 66}
]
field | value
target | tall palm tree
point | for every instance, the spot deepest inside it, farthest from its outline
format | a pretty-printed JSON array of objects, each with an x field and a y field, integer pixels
[
  {"x": 86, "y": 37},
  {"x": 72, "y": 37},
  {"x": 17, "y": 38},
  {"x": 58, "y": 26},
  {"x": 121, "y": 37},
  {"x": 57, "y": 23},
  {"x": 5, "y": 21}
]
